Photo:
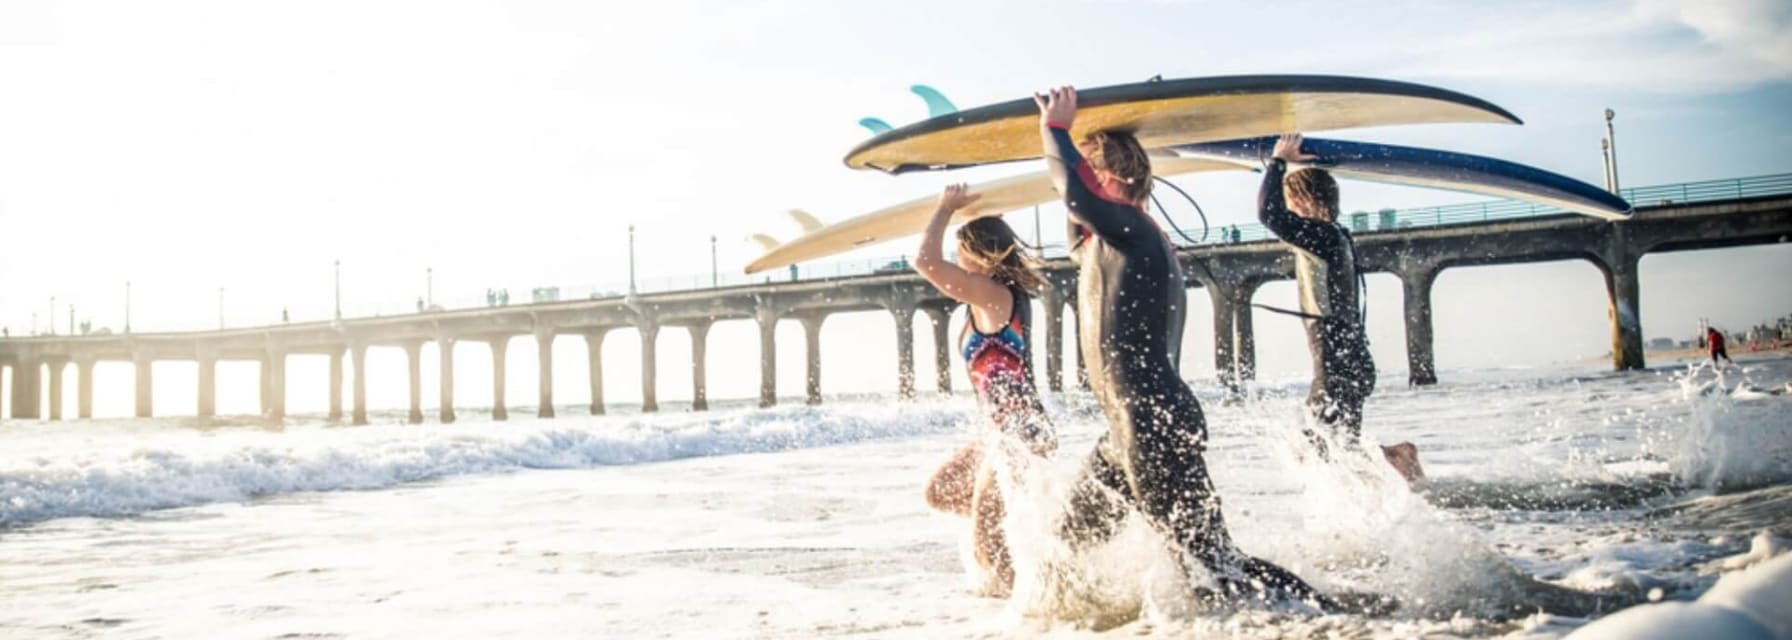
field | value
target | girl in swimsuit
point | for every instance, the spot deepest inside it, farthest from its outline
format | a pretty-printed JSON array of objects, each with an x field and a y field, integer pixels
[{"x": 994, "y": 279}]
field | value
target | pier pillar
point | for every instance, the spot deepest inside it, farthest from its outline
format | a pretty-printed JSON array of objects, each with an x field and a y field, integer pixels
[
  {"x": 208, "y": 386},
  {"x": 145, "y": 401},
  {"x": 276, "y": 385},
  {"x": 1415, "y": 288},
  {"x": 413, "y": 355},
  {"x": 84, "y": 388},
  {"x": 1225, "y": 358},
  {"x": 1623, "y": 292},
  {"x": 904, "y": 315},
  {"x": 25, "y": 390},
  {"x": 544, "y": 361},
  {"x": 812, "y": 338},
  {"x": 650, "y": 338},
  {"x": 699, "y": 365},
  {"x": 941, "y": 317},
  {"x": 335, "y": 385},
  {"x": 1054, "y": 339},
  {"x": 500, "y": 346},
  {"x": 1244, "y": 335},
  {"x": 55, "y": 367},
  {"x": 358, "y": 354},
  {"x": 768, "y": 357},
  {"x": 594, "y": 357},
  {"x": 445, "y": 412}
]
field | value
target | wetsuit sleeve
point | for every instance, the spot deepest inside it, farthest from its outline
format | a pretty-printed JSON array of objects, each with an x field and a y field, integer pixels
[
  {"x": 1074, "y": 180},
  {"x": 1272, "y": 210}
]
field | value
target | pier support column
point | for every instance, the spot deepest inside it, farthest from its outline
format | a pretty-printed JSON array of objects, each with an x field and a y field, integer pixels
[
  {"x": 84, "y": 388},
  {"x": 145, "y": 401},
  {"x": 500, "y": 346},
  {"x": 55, "y": 367},
  {"x": 941, "y": 318},
  {"x": 276, "y": 385},
  {"x": 1623, "y": 291},
  {"x": 904, "y": 316},
  {"x": 544, "y": 359},
  {"x": 413, "y": 355},
  {"x": 1244, "y": 335},
  {"x": 208, "y": 386},
  {"x": 812, "y": 338},
  {"x": 594, "y": 358},
  {"x": 358, "y": 354},
  {"x": 1415, "y": 288},
  {"x": 699, "y": 365},
  {"x": 25, "y": 389},
  {"x": 1054, "y": 339},
  {"x": 445, "y": 412},
  {"x": 768, "y": 357},
  {"x": 335, "y": 385},
  {"x": 1225, "y": 358},
  {"x": 650, "y": 338}
]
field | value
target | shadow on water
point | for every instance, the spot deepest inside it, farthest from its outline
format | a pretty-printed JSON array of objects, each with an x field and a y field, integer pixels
[{"x": 1564, "y": 495}]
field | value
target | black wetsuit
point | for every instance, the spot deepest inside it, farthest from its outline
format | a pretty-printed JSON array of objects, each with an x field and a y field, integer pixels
[
  {"x": 1131, "y": 301},
  {"x": 1326, "y": 270}
]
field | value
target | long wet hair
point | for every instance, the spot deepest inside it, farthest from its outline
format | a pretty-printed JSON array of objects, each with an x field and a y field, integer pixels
[
  {"x": 1119, "y": 153},
  {"x": 1316, "y": 188},
  {"x": 992, "y": 243}
]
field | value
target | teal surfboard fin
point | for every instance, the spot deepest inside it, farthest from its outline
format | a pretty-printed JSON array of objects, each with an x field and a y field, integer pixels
[
  {"x": 877, "y": 127},
  {"x": 937, "y": 104}
]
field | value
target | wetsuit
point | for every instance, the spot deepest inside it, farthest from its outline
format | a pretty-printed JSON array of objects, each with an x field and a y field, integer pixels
[
  {"x": 1131, "y": 295},
  {"x": 1001, "y": 373},
  {"x": 1325, "y": 267}
]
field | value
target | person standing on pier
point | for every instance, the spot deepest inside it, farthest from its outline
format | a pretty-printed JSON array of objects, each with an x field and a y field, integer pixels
[
  {"x": 1301, "y": 209},
  {"x": 1131, "y": 300},
  {"x": 996, "y": 282}
]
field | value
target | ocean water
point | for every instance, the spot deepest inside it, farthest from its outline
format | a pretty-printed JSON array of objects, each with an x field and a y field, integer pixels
[{"x": 1556, "y": 496}]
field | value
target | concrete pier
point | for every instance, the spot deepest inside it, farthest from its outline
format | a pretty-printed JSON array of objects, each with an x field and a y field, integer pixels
[
  {"x": 55, "y": 367},
  {"x": 84, "y": 388},
  {"x": 208, "y": 387},
  {"x": 1416, "y": 255},
  {"x": 335, "y": 385},
  {"x": 650, "y": 339},
  {"x": 413, "y": 357}
]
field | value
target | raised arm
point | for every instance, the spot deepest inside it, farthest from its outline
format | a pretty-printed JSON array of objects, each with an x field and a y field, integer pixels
[
  {"x": 1072, "y": 176},
  {"x": 952, "y": 280},
  {"x": 1272, "y": 207}
]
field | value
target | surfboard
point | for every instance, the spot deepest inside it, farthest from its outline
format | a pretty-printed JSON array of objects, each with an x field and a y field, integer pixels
[
  {"x": 1171, "y": 112},
  {"x": 910, "y": 218},
  {"x": 1428, "y": 168}
]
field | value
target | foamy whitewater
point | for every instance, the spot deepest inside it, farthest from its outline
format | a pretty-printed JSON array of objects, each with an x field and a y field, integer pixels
[{"x": 1556, "y": 497}]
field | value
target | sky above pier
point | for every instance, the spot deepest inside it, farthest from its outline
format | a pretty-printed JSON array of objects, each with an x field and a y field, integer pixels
[{"x": 192, "y": 146}]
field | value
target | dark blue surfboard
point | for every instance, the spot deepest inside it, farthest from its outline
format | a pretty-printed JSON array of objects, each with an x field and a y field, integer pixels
[{"x": 1427, "y": 168}]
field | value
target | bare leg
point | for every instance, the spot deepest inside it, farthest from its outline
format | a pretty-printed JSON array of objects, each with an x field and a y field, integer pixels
[
  {"x": 1405, "y": 459},
  {"x": 952, "y": 487},
  {"x": 987, "y": 535}
]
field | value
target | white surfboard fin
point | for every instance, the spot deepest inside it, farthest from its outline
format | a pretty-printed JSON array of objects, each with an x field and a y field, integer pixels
[{"x": 804, "y": 219}]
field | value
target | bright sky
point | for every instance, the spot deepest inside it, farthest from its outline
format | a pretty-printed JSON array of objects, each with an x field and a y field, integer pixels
[{"x": 188, "y": 146}]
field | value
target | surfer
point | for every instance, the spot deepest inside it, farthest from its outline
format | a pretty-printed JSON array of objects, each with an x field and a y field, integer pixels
[
  {"x": 1302, "y": 210},
  {"x": 1131, "y": 301},
  {"x": 1714, "y": 341},
  {"x": 994, "y": 279}
]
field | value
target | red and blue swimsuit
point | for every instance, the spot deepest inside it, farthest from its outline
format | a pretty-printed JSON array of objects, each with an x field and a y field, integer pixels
[{"x": 1000, "y": 372}]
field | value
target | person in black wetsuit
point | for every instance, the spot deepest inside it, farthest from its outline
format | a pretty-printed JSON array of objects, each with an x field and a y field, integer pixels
[
  {"x": 1302, "y": 209},
  {"x": 1131, "y": 300}
]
